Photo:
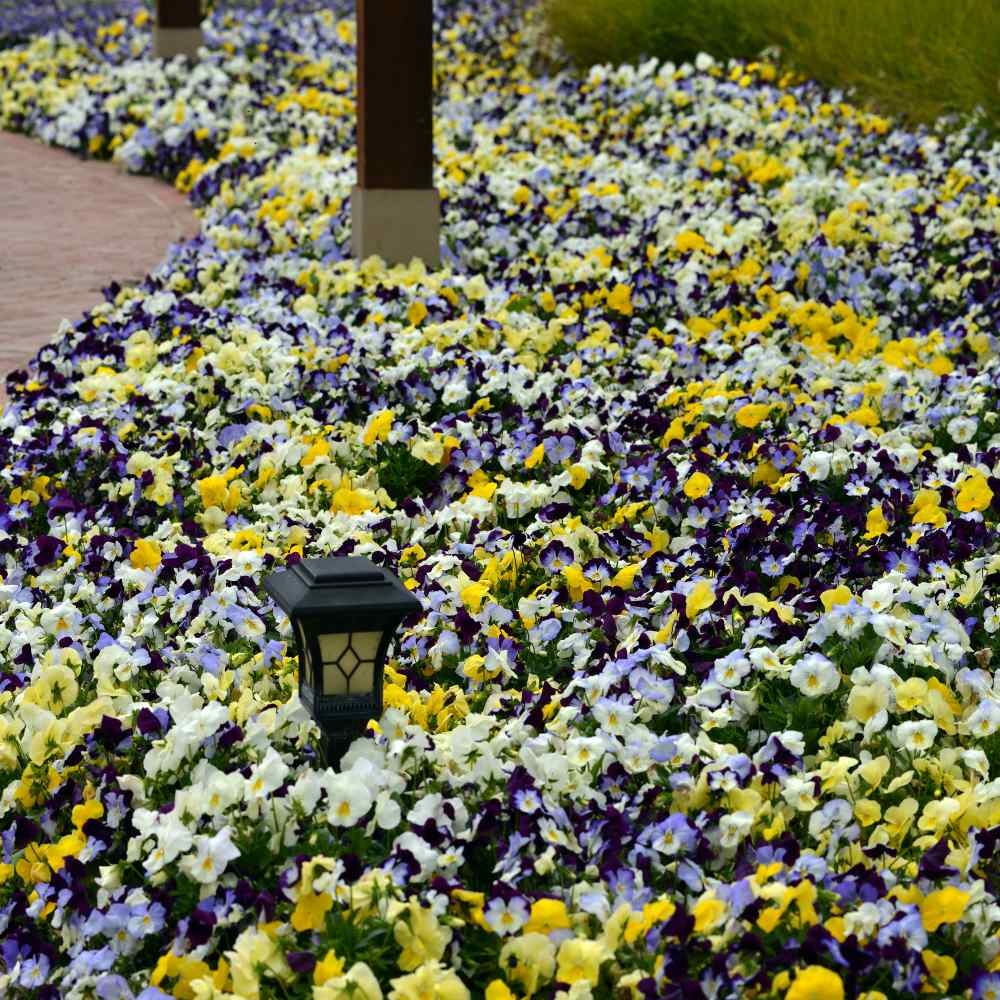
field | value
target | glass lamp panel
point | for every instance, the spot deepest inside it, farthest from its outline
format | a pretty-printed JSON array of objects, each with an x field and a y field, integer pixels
[
  {"x": 306, "y": 675},
  {"x": 331, "y": 651},
  {"x": 365, "y": 644},
  {"x": 363, "y": 678},
  {"x": 349, "y": 662}
]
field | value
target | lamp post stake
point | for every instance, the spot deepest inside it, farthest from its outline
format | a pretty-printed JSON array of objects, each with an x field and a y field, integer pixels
[
  {"x": 395, "y": 209},
  {"x": 177, "y": 28}
]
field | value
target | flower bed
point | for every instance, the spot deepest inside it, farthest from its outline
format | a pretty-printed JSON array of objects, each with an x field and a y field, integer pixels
[{"x": 690, "y": 453}]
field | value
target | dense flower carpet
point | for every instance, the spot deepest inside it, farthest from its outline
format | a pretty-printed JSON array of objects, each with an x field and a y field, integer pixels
[{"x": 690, "y": 453}]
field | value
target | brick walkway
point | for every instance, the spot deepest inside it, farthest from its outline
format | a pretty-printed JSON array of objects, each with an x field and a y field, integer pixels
[{"x": 68, "y": 227}]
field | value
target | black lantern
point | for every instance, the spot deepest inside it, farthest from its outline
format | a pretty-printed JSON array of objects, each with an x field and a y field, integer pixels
[{"x": 344, "y": 613}]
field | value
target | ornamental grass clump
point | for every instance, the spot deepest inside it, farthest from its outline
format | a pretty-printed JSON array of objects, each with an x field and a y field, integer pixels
[
  {"x": 689, "y": 452},
  {"x": 921, "y": 59}
]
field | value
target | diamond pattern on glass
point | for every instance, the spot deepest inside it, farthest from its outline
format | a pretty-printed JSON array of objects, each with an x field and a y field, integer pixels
[{"x": 349, "y": 662}]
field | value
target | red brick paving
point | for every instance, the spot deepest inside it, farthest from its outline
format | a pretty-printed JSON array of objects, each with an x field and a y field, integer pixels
[{"x": 68, "y": 227}]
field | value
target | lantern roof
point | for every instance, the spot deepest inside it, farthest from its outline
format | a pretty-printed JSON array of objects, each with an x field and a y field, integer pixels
[{"x": 340, "y": 586}]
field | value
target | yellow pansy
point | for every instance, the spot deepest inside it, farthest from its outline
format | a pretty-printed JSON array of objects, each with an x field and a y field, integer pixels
[
  {"x": 911, "y": 694},
  {"x": 866, "y": 700},
  {"x": 691, "y": 241},
  {"x": 349, "y": 501},
  {"x": 429, "y": 450},
  {"x": 925, "y": 498},
  {"x": 412, "y": 553},
  {"x": 485, "y": 490},
  {"x": 247, "y": 540},
  {"x": 863, "y": 415},
  {"x": 708, "y": 913},
  {"x": 975, "y": 494},
  {"x": 702, "y": 596},
  {"x": 147, "y": 554},
  {"x": 697, "y": 485},
  {"x": 473, "y": 668},
  {"x": 499, "y": 990},
  {"x": 944, "y": 906},
  {"x": 802, "y": 895},
  {"x": 536, "y": 456},
  {"x": 816, "y": 983},
  {"x": 899, "y": 819},
  {"x": 417, "y": 313},
  {"x": 310, "y": 911},
  {"x": 378, "y": 427},
  {"x": 579, "y": 959},
  {"x": 547, "y": 915},
  {"x": 652, "y": 913},
  {"x": 873, "y": 771},
  {"x": 473, "y": 595},
  {"x": 576, "y": 582},
  {"x": 620, "y": 299},
  {"x": 942, "y": 968},
  {"x": 420, "y": 936},
  {"x": 930, "y": 514},
  {"x": 213, "y": 490},
  {"x": 319, "y": 451},
  {"x": 432, "y": 979},
  {"x": 752, "y": 414},
  {"x": 767, "y": 473},
  {"x": 876, "y": 524},
  {"x": 625, "y": 577},
  {"x": 835, "y": 596},
  {"x": 85, "y": 811},
  {"x": 868, "y": 811}
]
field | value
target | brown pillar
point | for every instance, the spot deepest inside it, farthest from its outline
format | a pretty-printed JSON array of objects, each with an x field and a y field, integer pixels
[
  {"x": 177, "y": 28},
  {"x": 395, "y": 207}
]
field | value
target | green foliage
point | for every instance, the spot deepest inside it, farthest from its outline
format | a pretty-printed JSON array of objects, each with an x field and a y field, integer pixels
[
  {"x": 917, "y": 58},
  {"x": 599, "y": 31},
  {"x": 402, "y": 475}
]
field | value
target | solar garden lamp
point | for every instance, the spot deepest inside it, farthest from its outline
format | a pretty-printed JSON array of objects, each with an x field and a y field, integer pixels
[{"x": 344, "y": 613}]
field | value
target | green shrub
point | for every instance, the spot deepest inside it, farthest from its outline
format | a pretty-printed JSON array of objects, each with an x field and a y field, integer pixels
[{"x": 917, "y": 58}]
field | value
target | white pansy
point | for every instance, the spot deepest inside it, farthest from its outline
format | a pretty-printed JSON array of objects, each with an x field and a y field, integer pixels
[
  {"x": 266, "y": 776},
  {"x": 816, "y": 465},
  {"x": 815, "y": 675},
  {"x": 348, "y": 799},
  {"x": 210, "y": 857},
  {"x": 915, "y": 736}
]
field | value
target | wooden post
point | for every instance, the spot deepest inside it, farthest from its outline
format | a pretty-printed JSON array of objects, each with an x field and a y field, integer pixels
[
  {"x": 177, "y": 28},
  {"x": 395, "y": 208}
]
